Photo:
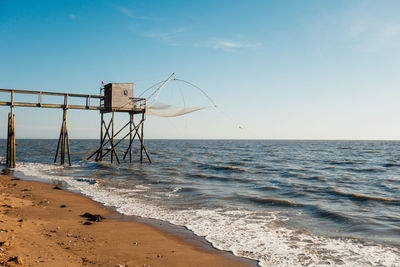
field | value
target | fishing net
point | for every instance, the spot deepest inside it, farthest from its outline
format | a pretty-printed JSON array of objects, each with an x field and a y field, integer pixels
[
  {"x": 164, "y": 110},
  {"x": 178, "y": 103}
]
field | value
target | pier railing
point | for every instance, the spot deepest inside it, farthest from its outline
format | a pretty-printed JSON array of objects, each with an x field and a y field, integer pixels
[{"x": 89, "y": 100}]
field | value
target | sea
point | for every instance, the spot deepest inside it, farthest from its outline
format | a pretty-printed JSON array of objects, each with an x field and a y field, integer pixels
[{"x": 279, "y": 202}]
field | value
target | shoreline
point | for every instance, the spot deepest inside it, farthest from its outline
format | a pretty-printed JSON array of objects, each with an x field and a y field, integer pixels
[{"x": 41, "y": 224}]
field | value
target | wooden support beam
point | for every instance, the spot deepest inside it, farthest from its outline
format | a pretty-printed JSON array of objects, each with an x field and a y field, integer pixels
[
  {"x": 8, "y": 140},
  {"x": 122, "y": 139},
  {"x": 63, "y": 141},
  {"x": 11, "y": 140},
  {"x": 69, "y": 151},
  {"x": 62, "y": 162},
  {"x": 101, "y": 137},
  {"x": 110, "y": 140},
  {"x": 129, "y": 149},
  {"x": 108, "y": 137},
  {"x": 113, "y": 147},
  {"x": 141, "y": 141},
  {"x": 59, "y": 142},
  {"x": 103, "y": 143},
  {"x": 143, "y": 147},
  {"x": 131, "y": 118},
  {"x": 112, "y": 137}
]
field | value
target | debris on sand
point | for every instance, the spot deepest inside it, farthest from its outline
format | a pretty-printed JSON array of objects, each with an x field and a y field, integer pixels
[
  {"x": 92, "y": 217},
  {"x": 16, "y": 260}
]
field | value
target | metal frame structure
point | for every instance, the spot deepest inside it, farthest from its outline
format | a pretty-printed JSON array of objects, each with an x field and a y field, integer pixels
[{"x": 63, "y": 146}]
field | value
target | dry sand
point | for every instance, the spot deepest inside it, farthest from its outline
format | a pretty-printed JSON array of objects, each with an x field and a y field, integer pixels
[{"x": 41, "y": 225}]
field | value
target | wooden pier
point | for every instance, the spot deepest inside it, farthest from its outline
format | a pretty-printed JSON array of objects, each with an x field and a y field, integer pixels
[{"x": 113, "y": 98}]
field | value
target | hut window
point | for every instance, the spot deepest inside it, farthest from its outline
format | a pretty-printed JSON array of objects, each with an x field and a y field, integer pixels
[{"x": 125, "y": 92}]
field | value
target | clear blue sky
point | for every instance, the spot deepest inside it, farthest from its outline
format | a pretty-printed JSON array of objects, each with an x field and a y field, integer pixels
[{"x": 280, "y": 69}]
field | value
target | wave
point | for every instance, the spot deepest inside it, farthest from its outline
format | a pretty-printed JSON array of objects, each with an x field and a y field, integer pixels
[
  {"x": 318, "y": 178},
  {"x": 219, "y": 167},
  {"x": 389, "y": 165},
  {"x": 217, "y": 178},
  {"x": 245, "y": 233},
  {"x": 269, "y": 201},
  {"x": 234, "y": 168},
  {"x": 358, "y": 197},
  {"x": 331, "y": 215},
  {"x": 342, "y": 162},
  {"x": 187, "y": 190},
  {"x": 365, "y": 169},
  {"x": 266, "y": 188},
  {"x": 371, "y": 151}
]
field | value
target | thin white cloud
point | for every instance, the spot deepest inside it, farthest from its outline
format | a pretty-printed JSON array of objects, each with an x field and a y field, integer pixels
[
  {"x": 228, "y": 45},
  {"x": 174, "y": 38},
  {"x": 131, "y": 13},
  {"x": 357, "y": 28},
  {"x": 127, "y": 11},
  {"x": 374, "y": 34},
  {"x": 166, "y": 35},
  {"x": 72, "y": 16}
]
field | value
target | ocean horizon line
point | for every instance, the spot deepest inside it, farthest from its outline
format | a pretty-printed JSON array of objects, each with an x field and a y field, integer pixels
[{"x": 222, "y": 139}]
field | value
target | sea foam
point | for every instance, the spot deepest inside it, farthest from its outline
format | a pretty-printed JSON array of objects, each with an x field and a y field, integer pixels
[{"x": 245, "y": 233}]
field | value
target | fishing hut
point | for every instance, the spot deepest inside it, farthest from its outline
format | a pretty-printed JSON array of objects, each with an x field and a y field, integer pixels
[{"x": 113, "y": 98}]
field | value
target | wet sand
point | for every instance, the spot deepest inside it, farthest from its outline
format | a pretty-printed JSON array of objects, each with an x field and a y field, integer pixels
[{"x": 41, "y": 225}]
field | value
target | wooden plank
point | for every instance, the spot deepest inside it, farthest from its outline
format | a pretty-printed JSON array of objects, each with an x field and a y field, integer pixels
[{"x": 33, "y": 105}]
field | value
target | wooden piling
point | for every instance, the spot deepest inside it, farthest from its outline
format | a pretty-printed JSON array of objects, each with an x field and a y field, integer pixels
[
  {"x": 141, "y": 140},
  {"x": 13, "y": 141},
  {"x": 8, "y": 140},
  {"x": 67, "y": 139},
  {"x": 63, "y": 141},
  {"x": 112, "y": 137},
  {"x": 101, "y": 137},
  {"x": 10, "y": 161},
  {"x": 130, "y": 135},
  {"x": 11, "y": 135}
]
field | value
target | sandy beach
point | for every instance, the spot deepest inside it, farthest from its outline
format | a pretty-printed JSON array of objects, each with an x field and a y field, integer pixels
[{"x": 42, "y": 225}]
